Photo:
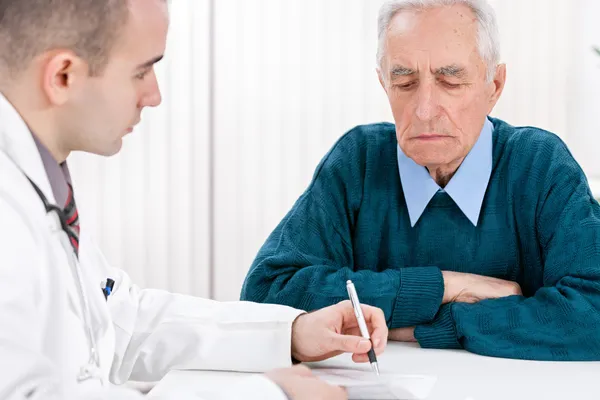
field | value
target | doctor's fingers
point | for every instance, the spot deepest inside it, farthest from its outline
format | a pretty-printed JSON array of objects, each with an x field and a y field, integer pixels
[
  {"x": 374, "y": 316},
  {"x": 378, "y": 338},
  {"x": 300, "y": 370},
  {"x": 375, "y": 319},
  {"x": 377, "y": 325},
  {"x": 305, "y": 387},
  {"x": 317, "y": 389},
  {"x": 348, "y": 343},
  {"x": 296, "y": 370}
]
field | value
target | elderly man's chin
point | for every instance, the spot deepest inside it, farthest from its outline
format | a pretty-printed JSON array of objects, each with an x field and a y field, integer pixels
[{"x": 428, "y": 153}]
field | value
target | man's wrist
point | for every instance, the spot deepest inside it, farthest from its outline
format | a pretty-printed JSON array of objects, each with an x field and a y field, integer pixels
[
  {"x": 449, "y": 282},
  {"x": 293, "y": 340}
]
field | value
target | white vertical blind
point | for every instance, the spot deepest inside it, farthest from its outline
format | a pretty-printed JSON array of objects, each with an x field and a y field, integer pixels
[
  {"x": 209, "y": 174},
  {"x": 536, "y": 39},
  {"x": 582, "y": 99}
]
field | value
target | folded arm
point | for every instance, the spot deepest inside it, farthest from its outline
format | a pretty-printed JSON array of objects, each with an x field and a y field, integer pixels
[{"x": 562, "y": 320}]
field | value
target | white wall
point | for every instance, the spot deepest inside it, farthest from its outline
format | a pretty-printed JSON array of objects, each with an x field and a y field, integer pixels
[
  {"x": 536, "y": 42},
  {"x": 583, "y": 96},
  {"x": 255, "y": 93}
]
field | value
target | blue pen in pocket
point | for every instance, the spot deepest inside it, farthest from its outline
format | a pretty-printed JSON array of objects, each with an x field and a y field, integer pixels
[{"x": 108, "y": 288}]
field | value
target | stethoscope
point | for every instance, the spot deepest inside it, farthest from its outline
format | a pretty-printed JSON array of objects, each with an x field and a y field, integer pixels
[{"x": 91, "y": 370}]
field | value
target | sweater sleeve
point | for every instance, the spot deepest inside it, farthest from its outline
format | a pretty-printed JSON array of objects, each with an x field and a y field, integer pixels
[
  {"x": 307, "y": 260},
  {"x": 561, "y": 321}
]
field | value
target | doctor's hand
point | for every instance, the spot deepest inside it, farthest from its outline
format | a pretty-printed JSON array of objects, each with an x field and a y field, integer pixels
[
  {"x": 299, "y": 383},
  {"x": 331, "y": 331}
]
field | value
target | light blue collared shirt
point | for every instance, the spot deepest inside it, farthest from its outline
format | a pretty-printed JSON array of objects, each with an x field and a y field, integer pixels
[{"x": 467, "y": 187}]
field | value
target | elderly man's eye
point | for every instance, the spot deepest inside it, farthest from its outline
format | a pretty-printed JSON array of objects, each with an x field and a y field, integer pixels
[
  {"x": 450, "y": 85},
  {"x": 406, "y": 86}
]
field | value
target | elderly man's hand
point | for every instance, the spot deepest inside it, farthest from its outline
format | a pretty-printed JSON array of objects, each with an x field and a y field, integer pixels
[
  {"x": 299, "y": 383},
  {"x": 464, "y": 288},
  {"x": 402, "y": 334},
  {"x": 470, "y": 288},
  {"x": 334, "y": 330}
]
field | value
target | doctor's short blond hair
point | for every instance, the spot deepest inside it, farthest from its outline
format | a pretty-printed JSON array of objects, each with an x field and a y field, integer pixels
[{"x": 29, "y": 28}]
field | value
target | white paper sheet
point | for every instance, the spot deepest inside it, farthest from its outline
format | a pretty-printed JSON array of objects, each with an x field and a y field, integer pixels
[{"x": 365, "y": 385}]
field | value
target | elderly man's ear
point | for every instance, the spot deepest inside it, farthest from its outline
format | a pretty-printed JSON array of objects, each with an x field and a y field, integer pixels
[
  {"x": 381, "y": 80},
  {"x": 497, "y": 86}
]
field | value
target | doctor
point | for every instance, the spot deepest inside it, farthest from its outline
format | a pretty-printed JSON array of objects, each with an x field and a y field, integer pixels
[{"x": 75, "y": 75}]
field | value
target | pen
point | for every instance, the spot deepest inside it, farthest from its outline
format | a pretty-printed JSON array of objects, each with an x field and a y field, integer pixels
[
  {"x": 108, "y": 288},
  {"x": 362, "y": 325}
]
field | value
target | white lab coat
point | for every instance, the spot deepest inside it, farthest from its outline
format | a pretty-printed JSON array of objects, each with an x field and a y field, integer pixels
[{"x": 140, "y": 334}]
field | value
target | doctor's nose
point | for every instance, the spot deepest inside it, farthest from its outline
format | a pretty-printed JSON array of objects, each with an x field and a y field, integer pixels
[{"x": 151, "y": 97}]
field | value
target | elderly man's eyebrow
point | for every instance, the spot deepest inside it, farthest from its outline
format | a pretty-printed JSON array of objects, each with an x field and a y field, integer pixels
[
  {"x": 452, "y": 70},
  {"x": 399, "y": 70}
]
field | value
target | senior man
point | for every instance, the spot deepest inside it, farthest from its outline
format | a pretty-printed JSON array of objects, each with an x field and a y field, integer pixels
[{"x": 468, "y": 232}]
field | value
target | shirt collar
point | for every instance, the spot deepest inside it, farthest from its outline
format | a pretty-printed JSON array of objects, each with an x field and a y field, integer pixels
[
  {"x": 58, "y": 174},
  {"x": 467, "y": 187}
]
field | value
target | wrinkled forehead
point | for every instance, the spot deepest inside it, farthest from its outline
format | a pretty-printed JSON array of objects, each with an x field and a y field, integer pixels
[{"x": 445, "y": 35}]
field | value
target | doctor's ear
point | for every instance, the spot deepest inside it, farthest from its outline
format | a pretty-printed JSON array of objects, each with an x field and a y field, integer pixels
[{"x": 63, "y": 74}]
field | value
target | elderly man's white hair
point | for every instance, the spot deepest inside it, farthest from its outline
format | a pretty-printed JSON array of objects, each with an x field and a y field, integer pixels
[{"x": 488, "y": 41}]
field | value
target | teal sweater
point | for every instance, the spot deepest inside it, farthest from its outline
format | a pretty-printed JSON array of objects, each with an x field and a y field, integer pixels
[{"x": 539, "y": 226}]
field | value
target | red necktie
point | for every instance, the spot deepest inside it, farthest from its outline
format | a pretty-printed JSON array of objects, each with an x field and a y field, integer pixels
[{"x": 72, "y": 219}]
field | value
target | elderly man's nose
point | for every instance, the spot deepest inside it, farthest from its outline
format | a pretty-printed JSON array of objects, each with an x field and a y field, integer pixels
[{"x": 425, "y": 103}]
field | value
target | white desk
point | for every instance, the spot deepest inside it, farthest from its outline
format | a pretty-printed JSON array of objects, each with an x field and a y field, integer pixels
[{"x": 460, "y": 375}]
